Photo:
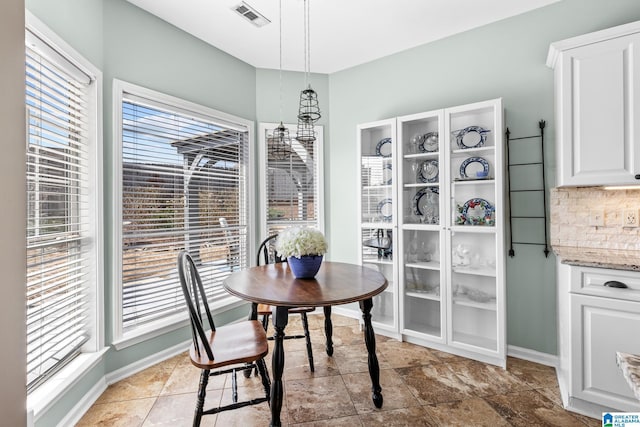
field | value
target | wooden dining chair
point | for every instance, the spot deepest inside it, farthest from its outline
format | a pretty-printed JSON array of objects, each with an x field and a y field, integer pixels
[
  {"x": 236, "y": 347},
  {"x": 267, "y": 254}
]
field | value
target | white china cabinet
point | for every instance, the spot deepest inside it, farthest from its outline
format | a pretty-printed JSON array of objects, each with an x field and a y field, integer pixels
[
  {"x": 452, "y": 245},
  {"x": 597, "y": 92},
  {"x": 431, "y": 217}
]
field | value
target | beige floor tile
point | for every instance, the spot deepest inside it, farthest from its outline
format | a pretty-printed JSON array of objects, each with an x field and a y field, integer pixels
[
  {"x": 177, "y": 410},
  {"x": 434, "y": 383},
  {"x": 528, "y": 408},
  {"x": 354, "y": 358},
  {"x": 402, "y": 354},
  {"x": 470, "y": 412},
  {"x": 351, "y": 421},
  {"x": 415, "y": 416},
  {"x": 534, "y": 374},
  {"x": 485, "y": 379},
  {"x": 318, "y": 399},
  {"x": 185, "y": 378},
  {"x": 130, "y": 413},
  {"x": 394, "y": 391},
  {"x": 146, "y": 383},
  {"x": 296, "y": 365}
]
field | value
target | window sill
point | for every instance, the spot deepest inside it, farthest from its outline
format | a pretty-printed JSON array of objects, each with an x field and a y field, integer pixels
[
  {"x": 44, "y": 397},
  {"x": 156, "y": 329}
]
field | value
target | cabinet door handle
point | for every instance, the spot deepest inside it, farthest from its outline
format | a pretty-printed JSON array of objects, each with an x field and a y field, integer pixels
[
  {"x": 615, "y": 284},
  {"x": 638, "y": 176}
]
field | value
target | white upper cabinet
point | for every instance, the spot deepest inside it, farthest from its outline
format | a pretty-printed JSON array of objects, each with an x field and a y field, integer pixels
[{"x": 597, "y": 95}]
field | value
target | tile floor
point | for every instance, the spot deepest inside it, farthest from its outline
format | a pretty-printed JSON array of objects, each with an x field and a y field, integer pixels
[{"x": 421, "y": 387}]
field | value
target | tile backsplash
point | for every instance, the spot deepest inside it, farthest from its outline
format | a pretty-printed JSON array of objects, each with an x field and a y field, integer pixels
[{"x": 594, "y": 218}]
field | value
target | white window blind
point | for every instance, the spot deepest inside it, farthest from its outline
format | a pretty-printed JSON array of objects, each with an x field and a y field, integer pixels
[
  {"x": 184, "y": 186},
  {"x": 292, "y": 183},
  {"x": 58, "y": 213}
]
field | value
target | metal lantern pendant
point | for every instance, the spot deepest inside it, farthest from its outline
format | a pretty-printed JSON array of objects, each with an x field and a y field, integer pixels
[
  {"x": 309, "y": 110},
  {"x": 305, "y": 132},
  {"x": 279, "y": 143}
]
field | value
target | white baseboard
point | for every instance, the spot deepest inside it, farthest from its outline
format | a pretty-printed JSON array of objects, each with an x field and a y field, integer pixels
[
  {"x": 533, "y": 356},
  {"x": 80, "y": 408},
  {"x": 147, "y": 362}
]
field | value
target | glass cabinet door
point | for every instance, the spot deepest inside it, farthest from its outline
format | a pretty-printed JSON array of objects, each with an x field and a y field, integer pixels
[{"x": 377, "y": 213}]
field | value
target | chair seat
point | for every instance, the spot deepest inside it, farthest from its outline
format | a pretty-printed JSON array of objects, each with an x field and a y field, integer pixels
[
  {"x": 265, "y": 309},
  {"x": 243, "y": 342}
]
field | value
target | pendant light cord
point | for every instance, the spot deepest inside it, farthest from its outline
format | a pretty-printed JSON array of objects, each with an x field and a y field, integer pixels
[
  {"x": 280, "y": 41},
  {"x": 307, "y": 37}
]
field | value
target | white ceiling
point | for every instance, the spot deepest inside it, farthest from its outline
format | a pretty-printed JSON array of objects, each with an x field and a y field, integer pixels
[{"x": 344, "y": 33}]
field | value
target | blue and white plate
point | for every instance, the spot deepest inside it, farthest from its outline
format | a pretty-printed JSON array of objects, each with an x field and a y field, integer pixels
[
  {"x": 471, "y": 136},
  {"x": 428, "y": 171},
  {"x": 478, "y": 164},
  {"x": 385, "y": 209},
  {"x": 427, "y": 201},
  {"x": 429, "y": 142},
  {"x": 384, "y": 148}
]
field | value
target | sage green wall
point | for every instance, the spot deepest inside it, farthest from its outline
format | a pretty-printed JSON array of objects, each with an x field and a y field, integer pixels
[{"x": 505, "y": 59}]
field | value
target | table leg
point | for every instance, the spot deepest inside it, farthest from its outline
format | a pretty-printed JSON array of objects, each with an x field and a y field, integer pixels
[
  {"x": 328, "y": 330},
  {"x": 280, "y": 318},
  {"x": 370, "y": 341}
]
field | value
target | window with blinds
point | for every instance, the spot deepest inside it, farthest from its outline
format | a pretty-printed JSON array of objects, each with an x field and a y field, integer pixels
[
  {"x": 292, "y": 188},
  {"x": 183, "y": 186},
  {"x": 60, "y": 240}
]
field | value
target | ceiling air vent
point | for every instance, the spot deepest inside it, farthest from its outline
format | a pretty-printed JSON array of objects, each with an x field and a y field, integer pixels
[{"x": 250, "y": 14}]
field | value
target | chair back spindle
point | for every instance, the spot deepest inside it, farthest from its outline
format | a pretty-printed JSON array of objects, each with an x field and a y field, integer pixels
[{"x": 195, "y": 298}]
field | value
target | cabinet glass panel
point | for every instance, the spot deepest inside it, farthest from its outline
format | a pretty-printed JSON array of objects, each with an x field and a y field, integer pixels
[
  {"x": 422, "y": 315},
  {"x": 473, "y": 129},
  {"x": 474, "y": 325},
  {"x": 376, "y": 175},
  {"x": 383, "y": 308}
]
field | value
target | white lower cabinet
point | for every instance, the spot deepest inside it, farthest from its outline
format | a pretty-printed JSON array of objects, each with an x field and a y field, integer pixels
[
  {"x": 605, "y": 326},
  {"x": 595, "y": 321}
]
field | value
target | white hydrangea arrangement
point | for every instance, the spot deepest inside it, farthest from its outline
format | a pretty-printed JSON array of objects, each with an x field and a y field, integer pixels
[{"x": 300, "y": 241}]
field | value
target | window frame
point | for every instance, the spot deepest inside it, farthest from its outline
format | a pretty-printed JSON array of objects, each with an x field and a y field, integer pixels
[
  {"x": 122, "y": 339},
  {"x": 44, "y": 395},
  {"x": 263, "y": 128}
]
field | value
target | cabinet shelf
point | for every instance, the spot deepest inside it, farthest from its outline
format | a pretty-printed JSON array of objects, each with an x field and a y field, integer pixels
[
  {"x": 385, "y": 187},
  {"x": 476, "y": 271},
  {"x": 383, "y": 225},
  {"x": 366, "y": 260},
  {"x": 474, "y": 228},
  {"x": 467, "y": 151},
  {"x": 422, "y": 295},
  {"x": 474, "y": 340},
  {"x": 464, "y": 301},
  {"x": 431, "y": 155},
  {"x": 426, "y": 265},
  {"x": 421, "y": 184},
  {"x": 419, "y": 329},
  {"x": 474, "y": 181}
]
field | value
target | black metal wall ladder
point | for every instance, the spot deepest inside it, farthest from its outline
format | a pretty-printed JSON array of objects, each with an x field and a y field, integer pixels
[{"x": 511, "y": 169}]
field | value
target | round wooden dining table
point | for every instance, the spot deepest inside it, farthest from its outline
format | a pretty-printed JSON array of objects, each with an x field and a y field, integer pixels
[{"x": 336, "y": 283}]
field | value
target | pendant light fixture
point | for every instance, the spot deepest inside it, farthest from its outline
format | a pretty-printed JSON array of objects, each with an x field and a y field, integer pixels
[
  {"x": 279, "y": 142},
  {"x": 309, "y": 111}
]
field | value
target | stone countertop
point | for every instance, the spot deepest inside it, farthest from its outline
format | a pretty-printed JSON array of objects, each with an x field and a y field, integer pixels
[
  {"x": 601, "y": 258},
  {"x": 630, "y": 366}
]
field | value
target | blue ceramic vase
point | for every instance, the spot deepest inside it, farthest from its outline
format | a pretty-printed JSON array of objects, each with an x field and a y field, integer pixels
[{"x": 305, "y": 267}]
